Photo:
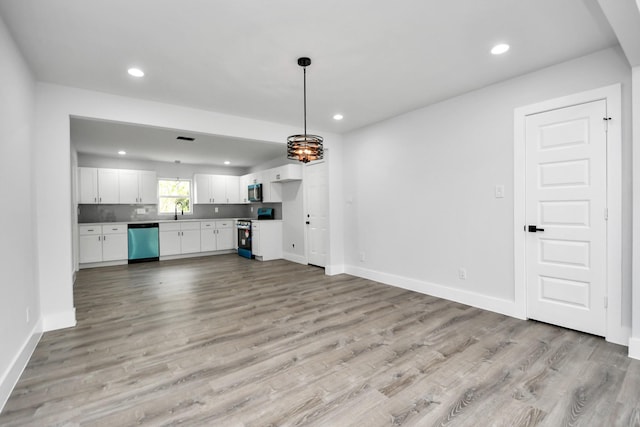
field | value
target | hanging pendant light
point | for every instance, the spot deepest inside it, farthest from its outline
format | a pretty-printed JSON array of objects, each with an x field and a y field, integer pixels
[{"x": 304, "y": 148}]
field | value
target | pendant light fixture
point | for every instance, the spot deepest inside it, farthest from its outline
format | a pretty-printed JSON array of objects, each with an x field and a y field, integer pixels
[{"x": 304, "y": 148}]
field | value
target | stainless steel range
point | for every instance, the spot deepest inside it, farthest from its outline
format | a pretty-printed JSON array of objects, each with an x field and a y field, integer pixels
[{"x": 244, "y": 238}]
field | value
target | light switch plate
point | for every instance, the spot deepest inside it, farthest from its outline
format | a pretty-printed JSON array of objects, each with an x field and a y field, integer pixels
[{"x": 499, "y": 191}]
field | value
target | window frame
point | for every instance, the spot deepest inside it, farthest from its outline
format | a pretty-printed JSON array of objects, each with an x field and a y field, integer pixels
[{"x": 165, "y": 196}]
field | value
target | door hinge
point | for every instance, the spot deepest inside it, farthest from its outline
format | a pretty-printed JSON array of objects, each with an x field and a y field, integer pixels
[
  {"x": 606, "y": 121},
  {"x": 606, "y": 302},
  {"x": 606, "y": 214}
]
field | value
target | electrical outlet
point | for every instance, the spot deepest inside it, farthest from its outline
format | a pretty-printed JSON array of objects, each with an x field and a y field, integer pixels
[
  {"x": 215, "y": 210},
  {"x": 499, "y": 190},
  {"x": 462, "y": 273},
  {"x": 251, "y": 208},
  {"x": 362, "y": 257}
]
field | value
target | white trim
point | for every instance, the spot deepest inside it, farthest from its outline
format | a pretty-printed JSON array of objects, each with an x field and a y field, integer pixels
[
  {"x": 497, "y": 305},
  {"x": 634, "y": 348},
  {"x": 332, "y": 270},
  {"x": 299, "y": 259},
  {"x": 18, "y": 364},
  {"x": 60, "y": 320},
  {"x": 615, "y": 330}
]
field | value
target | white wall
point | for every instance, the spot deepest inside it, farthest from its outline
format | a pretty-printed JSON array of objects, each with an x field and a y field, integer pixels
[
  {"x": 634, "y": 342},
  {"x": 18, "y": 257},
  {"x": 419, "y": 188},
  {"x": 55, "y": 105}
]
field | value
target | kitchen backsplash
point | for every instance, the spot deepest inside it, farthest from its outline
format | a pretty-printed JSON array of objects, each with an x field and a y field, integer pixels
[{"x": 129, "y": 213}]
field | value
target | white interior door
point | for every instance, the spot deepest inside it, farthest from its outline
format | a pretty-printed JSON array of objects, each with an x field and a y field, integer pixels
[
  {"x": 317, "y": 197},
  {"x": 566, "y": 185}
]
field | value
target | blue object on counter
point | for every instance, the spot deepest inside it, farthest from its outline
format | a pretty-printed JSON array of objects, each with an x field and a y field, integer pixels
[
  {"x": 143, "y": 242},
  {"x": 265, "y": 213}
]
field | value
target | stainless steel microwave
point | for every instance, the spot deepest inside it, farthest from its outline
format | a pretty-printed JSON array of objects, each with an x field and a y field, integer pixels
[{"x": 255, "y": 192}]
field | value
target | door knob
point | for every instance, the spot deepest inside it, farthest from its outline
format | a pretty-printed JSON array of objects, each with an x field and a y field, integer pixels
[
  {"x": 307, "y": 222},
  {"x": 533, "y": 229}
]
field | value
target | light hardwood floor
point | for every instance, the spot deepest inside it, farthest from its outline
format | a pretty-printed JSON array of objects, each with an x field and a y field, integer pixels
[{"x": 226, "y": 341}]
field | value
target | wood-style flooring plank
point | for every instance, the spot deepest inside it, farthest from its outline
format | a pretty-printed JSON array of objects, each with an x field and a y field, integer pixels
[{"x": 227, "y": 341}]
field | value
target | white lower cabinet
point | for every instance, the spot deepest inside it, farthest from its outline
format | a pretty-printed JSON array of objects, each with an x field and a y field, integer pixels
[
  {"x": 101, "y": 243},
  {"x": 266, "y": 239},
  {"x": 178, "y": 238},
  {"x": 216, "y": 235}
]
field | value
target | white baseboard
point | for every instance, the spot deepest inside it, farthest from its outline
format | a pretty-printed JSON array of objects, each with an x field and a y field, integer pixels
[
  {"x": 60, "y": 320},
  {"x": 634, "y": 348},
  {"x": 300, "y": 259},
  {"x": 332, "y": 270},
  {"x": 196, "y": 255},
  {"x": 618, "y": 335},
  {"x": 497, "y": 305},
  {"x": 18, "y": 364}
]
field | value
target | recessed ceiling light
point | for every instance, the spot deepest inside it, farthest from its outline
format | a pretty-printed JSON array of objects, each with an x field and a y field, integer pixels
[
  {"x": 122, "y": 152},
  {"x": 227, "y": 162},
  {"x": 338, "y": 117},
  {"x": 499, "y": 49},
  {"x": 135, "y": 72}
]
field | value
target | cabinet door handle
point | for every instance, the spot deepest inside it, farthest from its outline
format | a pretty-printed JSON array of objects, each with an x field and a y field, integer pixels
[
  {"x": 95, "y": 200},
  {"x": 104, "y": 238}
]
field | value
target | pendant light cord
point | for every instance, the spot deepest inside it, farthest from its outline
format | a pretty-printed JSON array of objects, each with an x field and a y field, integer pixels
[{"x": 305, "y": 100}]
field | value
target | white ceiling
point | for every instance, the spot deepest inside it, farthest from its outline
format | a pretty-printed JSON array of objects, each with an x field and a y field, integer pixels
[
  {"x": 161, "y": 145},
  {"x": 372, "y": 59}
]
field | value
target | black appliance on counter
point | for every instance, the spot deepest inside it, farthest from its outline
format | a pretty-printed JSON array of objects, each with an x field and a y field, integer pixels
[{"x": 265, "y": 213}]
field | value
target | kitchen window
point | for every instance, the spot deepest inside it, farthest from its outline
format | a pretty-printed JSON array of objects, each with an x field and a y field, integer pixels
[{"x": 174, "y": 196}]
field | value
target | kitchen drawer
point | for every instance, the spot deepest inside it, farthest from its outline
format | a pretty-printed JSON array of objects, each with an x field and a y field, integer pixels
[
  {"x": 224, "y": 224},
  {"x": 207, "y": 225},
  {"x": 191, "y": 225},
  {"x": 85, "y": 230},
  {"x": 114, "y": 229},
  {"x": 169, "y": 226}
]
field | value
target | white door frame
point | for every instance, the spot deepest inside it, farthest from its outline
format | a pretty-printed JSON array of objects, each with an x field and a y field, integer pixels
[
  {"x": 615, "y": 331},
  {"x": 306, "y": 209}
]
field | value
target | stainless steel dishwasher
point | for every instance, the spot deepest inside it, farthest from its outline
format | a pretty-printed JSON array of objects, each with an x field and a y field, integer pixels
[{"x": 143, "y": 242}]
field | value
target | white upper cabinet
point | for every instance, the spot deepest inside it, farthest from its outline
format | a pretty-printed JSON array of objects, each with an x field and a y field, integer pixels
[
  {"x": 271, "y": 180},
  {"x": 286, "y": 173},
  {"x": 148, "y": 187},
  {"x": 114, "y": 186},
  {"x": 216, "y": 189},
  {"x": 202, "y": 189},
  {"x": 233, "y": 189},
  {"x": 138, "y": 187},
  {"x": 128, "y": 186},
  {"x": 98, "y": 186},
  {"x": 87, "y": 185},
  {"x": 108, "y": 186},
  {"x": 243, "y": 188}
]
